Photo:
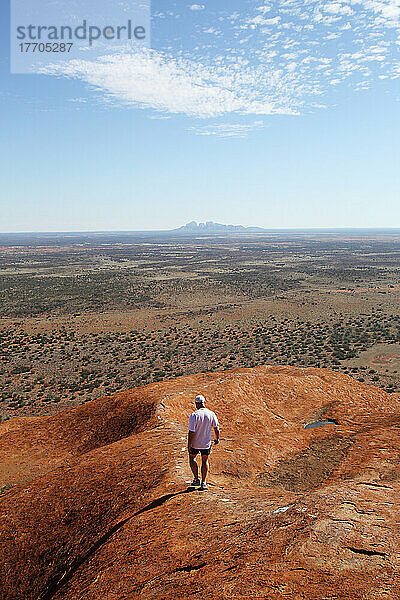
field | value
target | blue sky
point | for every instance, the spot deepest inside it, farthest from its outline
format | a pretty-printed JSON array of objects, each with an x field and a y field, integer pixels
[{"x": 278, "y": 114}]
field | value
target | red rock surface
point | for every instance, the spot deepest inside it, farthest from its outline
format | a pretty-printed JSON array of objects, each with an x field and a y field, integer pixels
[{"x": 95, "y": 504}]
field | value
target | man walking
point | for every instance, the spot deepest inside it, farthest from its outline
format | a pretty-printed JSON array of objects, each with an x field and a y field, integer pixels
[{"x": 199, "y": 439}]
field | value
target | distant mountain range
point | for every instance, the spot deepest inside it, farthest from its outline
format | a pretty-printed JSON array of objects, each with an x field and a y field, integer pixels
[{"x": 211, "y": 227}]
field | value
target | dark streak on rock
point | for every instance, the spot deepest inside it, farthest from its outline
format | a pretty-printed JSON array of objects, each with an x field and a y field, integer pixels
[
  {"x": 310, "y": 468},
  {"x": 367, "y": 552},
  {"x": 190, "y": 568}
]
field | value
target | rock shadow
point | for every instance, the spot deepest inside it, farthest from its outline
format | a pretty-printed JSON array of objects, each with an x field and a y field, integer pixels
[{"x": 310, "y": 468}]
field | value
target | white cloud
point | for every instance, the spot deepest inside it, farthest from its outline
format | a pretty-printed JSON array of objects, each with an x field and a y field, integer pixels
[
  {"x": 338, "y": 8},
  {"x": 389, "y": 9},
  {"x": 264, "y": 8},
  {"x": 151, "y": 80},
  {"x": 268, "y": 58},
  {"x": 260, "y": 20},
  {"x": 228, "y": 130}
]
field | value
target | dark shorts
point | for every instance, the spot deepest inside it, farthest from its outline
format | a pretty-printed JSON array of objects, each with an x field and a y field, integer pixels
[{"x": 203, "y": 451}]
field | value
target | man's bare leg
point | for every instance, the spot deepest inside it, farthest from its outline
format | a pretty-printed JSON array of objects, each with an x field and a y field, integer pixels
[
  {"x": 194, "y": 466},
  {"x": 204, "y": 468}
]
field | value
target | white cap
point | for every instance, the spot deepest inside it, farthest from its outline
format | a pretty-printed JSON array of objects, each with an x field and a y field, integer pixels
[{"x": 200, "y": 400}]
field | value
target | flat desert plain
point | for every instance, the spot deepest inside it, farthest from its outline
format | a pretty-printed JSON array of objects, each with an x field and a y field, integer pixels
[{"x": 85, "y": 315}]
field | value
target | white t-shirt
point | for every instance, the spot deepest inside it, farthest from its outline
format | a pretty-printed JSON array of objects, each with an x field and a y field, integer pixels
[{"x": 201, "y": 422}]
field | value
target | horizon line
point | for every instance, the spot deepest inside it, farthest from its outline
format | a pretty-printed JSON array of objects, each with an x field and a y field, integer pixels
[{"x": 177, "y": 229}]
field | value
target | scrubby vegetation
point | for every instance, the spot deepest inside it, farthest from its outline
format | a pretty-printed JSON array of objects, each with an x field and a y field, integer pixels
[
  {"x": 319, "y": 302},
  {"x": 46, "y": 368}
]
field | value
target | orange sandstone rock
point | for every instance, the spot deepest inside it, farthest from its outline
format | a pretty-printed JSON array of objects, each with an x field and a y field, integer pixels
[{"x": 95, "y": 502}]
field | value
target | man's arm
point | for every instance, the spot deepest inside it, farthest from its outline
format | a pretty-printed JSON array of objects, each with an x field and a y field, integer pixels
[
  {"x": 216, "y": 434},
  {"x": 190, "y": 438}
]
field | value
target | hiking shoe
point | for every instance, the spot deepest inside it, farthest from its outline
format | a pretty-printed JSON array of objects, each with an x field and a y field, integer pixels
[
  {"x": 195, "y": 482},
  {"x": 203, "y": 485}
]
